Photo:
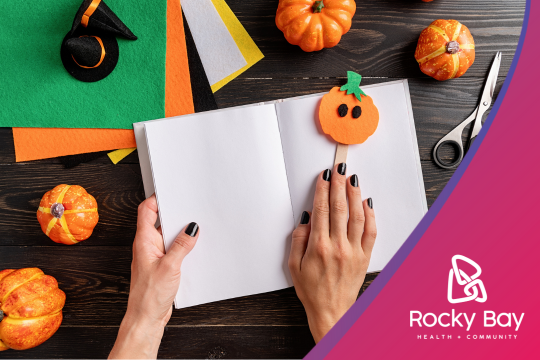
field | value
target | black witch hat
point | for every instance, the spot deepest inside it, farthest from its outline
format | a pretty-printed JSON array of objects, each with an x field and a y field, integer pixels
[
  {"x": 89, "y": 51},
  {"x": 89, "y": 58},
  {"x": 97, "y": 17}
]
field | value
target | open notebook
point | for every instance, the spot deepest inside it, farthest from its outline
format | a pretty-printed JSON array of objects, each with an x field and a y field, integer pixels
[{"x": 246, "y": 174}]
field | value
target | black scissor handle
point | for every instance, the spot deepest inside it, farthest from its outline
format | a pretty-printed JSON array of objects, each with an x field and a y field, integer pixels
[{"x": 459, "y": 150}]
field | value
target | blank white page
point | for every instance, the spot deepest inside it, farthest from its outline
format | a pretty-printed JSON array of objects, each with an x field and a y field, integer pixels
[
  {"x": 387, "y": 163},
  {"x": 225, "y": 171}
]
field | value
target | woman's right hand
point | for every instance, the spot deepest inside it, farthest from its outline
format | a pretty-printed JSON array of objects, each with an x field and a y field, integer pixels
[
  {"x": 155, "y": 278},
  {"x": 331, "y": 249}
]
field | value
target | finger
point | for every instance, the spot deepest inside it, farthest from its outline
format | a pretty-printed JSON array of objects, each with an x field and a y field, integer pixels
[
  {"x": 370, "y": 228},
  {"x": 339, "y": 209},
  {"x": 320, "y": 220},
  {"x": 147, "y": 213},
  {"x": 299, "y": 242},
  {"x": 355, "y": 227},
  {"x": 183, "y": 244}
]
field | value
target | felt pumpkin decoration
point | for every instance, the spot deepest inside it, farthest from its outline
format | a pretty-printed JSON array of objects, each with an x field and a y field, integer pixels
[
  {"x": 445, "y": 50},
  {"x": 347, "y": 114},
  {"x": 30, "y": 308},
  {"x": 314, "y": 25},
  {"x": 68, "y": 214}
]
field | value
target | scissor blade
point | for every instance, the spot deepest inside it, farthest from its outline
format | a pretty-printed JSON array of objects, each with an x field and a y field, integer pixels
[
  {"x": 487, "y": 96},
  {"x": 491, "y": 82}
]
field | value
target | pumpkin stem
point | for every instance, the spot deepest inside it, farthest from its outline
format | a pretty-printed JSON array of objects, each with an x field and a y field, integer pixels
[
  {"x": 57, "y": 210},
  {"x": 452, "y": 47},
  {"x": 353, "y": 85},
  {"x": 1, "y": 315},
  {"x": 317, "y": 7}
]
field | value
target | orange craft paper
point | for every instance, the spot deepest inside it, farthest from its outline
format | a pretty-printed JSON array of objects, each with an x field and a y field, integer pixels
[
  {"x": 43, "y": 143},
  {"x": 178, "y": 96},
  {"x": 347, "y": 129}
]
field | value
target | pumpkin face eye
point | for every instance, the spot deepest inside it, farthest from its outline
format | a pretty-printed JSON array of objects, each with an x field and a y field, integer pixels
[
  {"x": 356, "y": 112},
  {"x": 342, "y": 110}
]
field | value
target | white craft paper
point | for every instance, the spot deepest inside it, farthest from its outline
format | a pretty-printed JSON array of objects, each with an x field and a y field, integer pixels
[
  {"x": 217, "y": 49},
  {"x": 387, "y": 164},
  {"x": 225, "y": 171}
]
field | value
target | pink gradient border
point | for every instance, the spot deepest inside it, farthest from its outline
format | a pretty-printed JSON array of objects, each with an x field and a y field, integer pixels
[{"x": 520, "y": 84}]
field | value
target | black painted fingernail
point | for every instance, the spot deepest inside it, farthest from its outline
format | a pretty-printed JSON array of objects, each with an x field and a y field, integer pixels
[
  {"x": 370, "y": 203},
  {"x": 326, "y": 175},
  {"x": 305, "y": 218},
  {"x": 354, "y": 180},
  {"x": 342, "y": 168},
  {"x": 192, "y": 229}
]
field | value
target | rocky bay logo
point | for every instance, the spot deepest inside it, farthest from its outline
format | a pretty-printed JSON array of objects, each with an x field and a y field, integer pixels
[
  {"x": 473, "y": 288},
  {"x": 473, "y": 285}
]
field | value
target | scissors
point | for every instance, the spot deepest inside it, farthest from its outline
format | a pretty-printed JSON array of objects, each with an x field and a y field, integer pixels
[{"x": 454, "y": 137}]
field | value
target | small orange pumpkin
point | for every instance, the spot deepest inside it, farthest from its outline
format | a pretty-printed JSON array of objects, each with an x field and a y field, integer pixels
[
  {"x": 314, "y": 25},
  {"x": 30, "y": 308},
  {"x": 347, "y": 114},
  {"x": 68, "y": 214},
  {"x": 445, "y": 50}
]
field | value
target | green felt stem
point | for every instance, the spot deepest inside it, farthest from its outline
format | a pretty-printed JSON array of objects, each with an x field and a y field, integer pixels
[
  {"x": 353, "y": 85},
  {"x": 317, "y": 7}
]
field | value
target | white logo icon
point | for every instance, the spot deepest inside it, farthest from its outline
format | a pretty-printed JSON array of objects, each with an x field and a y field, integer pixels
[{"x": 472, "y": 283}]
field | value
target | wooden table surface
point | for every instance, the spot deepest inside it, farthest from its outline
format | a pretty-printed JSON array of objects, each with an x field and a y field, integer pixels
[{"x": 95, "y": 274}]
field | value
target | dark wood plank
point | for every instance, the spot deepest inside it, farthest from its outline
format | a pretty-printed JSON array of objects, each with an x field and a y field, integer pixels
[
  {"x": 96, "y": 282},
  {"x": 117, "y": 189},
  {"x": 383, "y": 37},
  {"x": 190, "y": 342},
  {"x": 435, "y": 180}
]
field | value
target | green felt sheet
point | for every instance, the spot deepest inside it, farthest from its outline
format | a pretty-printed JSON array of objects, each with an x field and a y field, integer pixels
[{"x": 36, "y": 90}]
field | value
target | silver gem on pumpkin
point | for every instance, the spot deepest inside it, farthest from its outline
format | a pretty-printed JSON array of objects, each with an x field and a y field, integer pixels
[
  {"x": 452, "y": 47},
  {"x": 57, "y": 210}
]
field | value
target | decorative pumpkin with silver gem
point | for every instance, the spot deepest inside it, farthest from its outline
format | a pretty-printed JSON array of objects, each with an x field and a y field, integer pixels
[
  {"x": 445, "y": 49},
  {"x": 68, "y": 214}
]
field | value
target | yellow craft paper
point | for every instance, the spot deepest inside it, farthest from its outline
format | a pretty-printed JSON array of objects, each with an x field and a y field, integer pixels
[
  {"x": 245, "y": 43},
  {"x": 118, "y": 155}
]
